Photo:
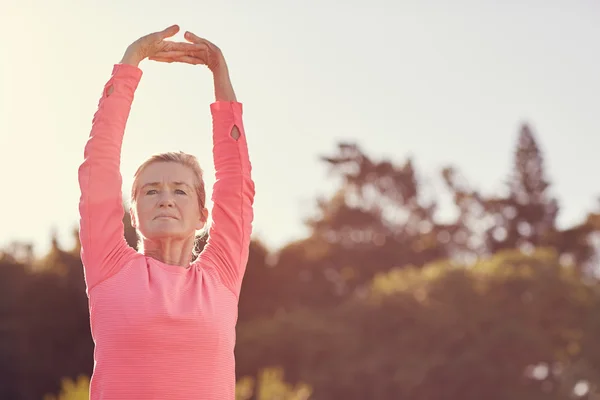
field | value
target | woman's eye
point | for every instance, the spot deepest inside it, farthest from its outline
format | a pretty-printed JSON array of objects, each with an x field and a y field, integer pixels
[
  {"x": 180, "y": 191},
  {"x": 151, "y": 191}
]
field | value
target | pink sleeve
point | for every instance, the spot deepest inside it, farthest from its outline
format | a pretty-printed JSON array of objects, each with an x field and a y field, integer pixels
[
  {"x": 233, "y": 196},
  {"x": 103, "y": 246}
]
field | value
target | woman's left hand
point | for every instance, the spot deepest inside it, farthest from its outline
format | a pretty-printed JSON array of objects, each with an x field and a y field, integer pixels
[{"x": 207, "y": 54}]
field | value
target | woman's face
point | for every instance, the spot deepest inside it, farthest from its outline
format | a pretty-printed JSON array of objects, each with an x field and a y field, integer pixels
[{"x": 166, "y": 203}]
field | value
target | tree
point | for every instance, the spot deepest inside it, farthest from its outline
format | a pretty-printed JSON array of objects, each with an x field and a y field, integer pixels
[
  {"x": 45, "y": 323},
  {"x": 259, "y": 288},
  {"x": 379, "y": 218},
  {"x": 443, "y": 331},
  {"x": 13, "y": 278},
  {"x": 524, "y": 218},
  {"x": 380, "y": 210}
]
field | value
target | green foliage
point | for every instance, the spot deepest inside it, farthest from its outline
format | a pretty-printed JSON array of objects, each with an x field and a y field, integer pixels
[
  {"x": 269, "y": 386},
  {"x": 443, "y": 331},
  {"x": 72, "y": 390}
]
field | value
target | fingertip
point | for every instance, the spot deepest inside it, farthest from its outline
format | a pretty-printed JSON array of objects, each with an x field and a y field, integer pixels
[{"x": 168, "y": 32}]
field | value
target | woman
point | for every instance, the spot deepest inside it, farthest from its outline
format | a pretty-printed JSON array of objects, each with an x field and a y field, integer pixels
[{"x": 163, "y": 324}]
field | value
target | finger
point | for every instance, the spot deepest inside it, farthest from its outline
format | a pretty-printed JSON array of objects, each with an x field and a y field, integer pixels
[
  {"x": 168, "y": 32},
  {"x": 180, "y": 46},
  {"x": 170, "y": 54},
  {"x": 193, "y": 38},
  {"x": 191, "y": 60},
  {"x": 198, "y": 40},
  {"x": 162, "y": 59},
  {"x": 189, "y": 36},
  {"x": 182, "y": 59},
  {"x": 201, "y": 57}
]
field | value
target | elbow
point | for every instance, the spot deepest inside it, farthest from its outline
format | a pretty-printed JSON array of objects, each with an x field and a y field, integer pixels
[{"x": 249, "y": 190}]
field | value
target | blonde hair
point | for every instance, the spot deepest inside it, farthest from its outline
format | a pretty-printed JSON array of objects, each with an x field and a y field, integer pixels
[{"x": 184, "y": 159}]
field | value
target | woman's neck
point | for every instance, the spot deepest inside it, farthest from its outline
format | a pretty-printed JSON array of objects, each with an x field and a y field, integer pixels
[{"x": 170, "y": 251}]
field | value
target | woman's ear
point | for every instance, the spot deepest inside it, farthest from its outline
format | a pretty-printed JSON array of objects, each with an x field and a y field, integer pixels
[{"x": 203, "y": 218}]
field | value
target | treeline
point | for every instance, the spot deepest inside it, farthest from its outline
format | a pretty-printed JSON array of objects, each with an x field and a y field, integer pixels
[{"x": 380, "y": 301}]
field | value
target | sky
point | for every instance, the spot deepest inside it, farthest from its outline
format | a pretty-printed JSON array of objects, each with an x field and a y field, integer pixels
[{"x": 446, "y": 83}]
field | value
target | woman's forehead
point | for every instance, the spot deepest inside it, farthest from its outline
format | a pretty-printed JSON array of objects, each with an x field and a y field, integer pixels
[{"x": 167, "y": 172}]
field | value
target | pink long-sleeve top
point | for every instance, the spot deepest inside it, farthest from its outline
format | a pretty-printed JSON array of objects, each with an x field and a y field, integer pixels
[{"x": 162, "y": 331}]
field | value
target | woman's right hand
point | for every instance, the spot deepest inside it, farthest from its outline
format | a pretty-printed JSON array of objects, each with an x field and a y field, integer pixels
[{"x": 155, "y": 45}]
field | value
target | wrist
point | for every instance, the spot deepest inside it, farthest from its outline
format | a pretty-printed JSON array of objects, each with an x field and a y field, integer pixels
[
  {"x": 223, "y": 87},
  {"x": 220, "y": 74},
  {"x": 217, "y": 65},
  {"x": 131, "y": 58}
]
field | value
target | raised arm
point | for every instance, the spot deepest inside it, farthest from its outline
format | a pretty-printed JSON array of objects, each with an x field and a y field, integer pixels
[
  {"x": 103, "y": 247},
  {"x": 233, "y": 193}
]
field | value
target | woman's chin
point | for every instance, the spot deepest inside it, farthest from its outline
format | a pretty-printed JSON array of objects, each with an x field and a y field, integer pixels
[{"x": 168, "y": 232}]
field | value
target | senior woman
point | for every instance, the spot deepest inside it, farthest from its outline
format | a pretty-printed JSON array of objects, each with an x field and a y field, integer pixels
[{"x": 163, "y": 322}]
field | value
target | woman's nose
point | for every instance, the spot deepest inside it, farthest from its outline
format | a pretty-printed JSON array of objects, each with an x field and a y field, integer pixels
[{"x": 165, "y": 200}]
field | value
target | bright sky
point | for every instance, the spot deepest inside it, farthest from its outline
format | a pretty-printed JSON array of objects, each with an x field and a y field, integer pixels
[{"x": 445, "y": 82}]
